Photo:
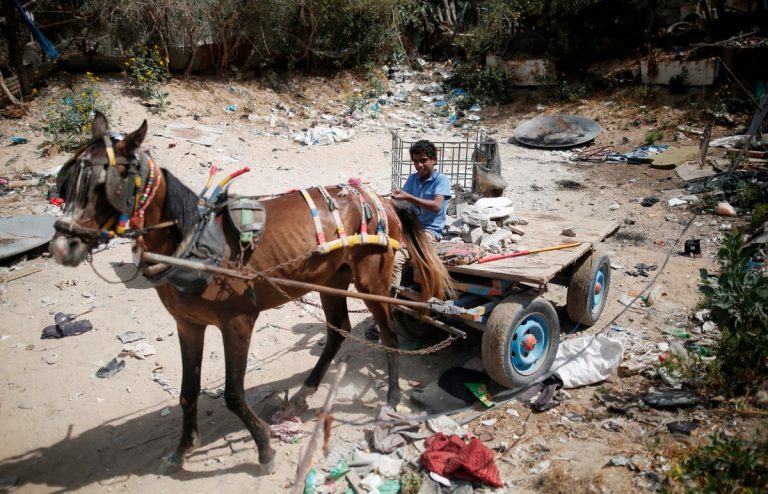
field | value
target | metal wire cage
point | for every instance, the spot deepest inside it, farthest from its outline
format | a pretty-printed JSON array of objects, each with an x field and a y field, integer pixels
[{"x": 455, "y": 159}]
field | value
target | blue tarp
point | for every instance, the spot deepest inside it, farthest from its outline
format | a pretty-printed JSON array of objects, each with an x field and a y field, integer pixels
[{"x": 45, "y": 43}]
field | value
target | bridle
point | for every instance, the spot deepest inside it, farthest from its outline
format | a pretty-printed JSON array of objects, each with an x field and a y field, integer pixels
[{"x": 130, "y": 196}]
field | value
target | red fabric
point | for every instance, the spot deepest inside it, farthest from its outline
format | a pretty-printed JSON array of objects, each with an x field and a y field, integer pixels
[{"x": 452, "y": 458}]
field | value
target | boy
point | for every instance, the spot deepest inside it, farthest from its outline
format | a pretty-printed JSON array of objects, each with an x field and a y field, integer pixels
[{"x": 428, "y": 190}]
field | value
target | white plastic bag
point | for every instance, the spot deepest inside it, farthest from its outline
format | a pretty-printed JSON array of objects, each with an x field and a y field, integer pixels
[{"x": 587, "y": 360}]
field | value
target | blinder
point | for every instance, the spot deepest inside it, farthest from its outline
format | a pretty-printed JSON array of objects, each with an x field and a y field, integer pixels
[{"x": 121, "y": 191}]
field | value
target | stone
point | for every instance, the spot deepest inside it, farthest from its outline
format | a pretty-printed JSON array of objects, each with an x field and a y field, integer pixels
[
  {"x": 495, "y": 238},
  {"x": 474, "y": 236},
  {"x": 568, "y": 232}
]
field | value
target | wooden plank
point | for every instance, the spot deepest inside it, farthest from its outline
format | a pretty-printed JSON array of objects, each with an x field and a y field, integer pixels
[{"x": 543, "y": 230}]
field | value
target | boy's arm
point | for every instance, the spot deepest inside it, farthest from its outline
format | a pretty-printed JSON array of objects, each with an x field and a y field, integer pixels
[{"x": 434, "y": 205}]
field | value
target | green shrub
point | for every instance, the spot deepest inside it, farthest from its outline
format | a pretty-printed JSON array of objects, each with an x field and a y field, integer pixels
[
  {"x": 147, "y": 70},
  {"x": 738, "y": 300},
  {"x": 653, "y": 135},
  {"x": 759, "y": 216},
  {"x": 482, "y": 84},
  {"x": 726, "y": 465},
  {"x": 68, "y": 121}
]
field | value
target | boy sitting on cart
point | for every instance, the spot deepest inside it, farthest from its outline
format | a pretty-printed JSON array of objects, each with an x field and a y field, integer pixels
[{"x": 428, "y": 190}]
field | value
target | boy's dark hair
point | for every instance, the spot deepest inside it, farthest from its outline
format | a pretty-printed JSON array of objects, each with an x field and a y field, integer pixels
[{"x": 424, "y": 146}]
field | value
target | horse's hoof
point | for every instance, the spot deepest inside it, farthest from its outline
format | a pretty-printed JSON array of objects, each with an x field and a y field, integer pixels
[
  {"x": 269, "y": 467},
  {"x": 171, "y": 464},
  {"x": 297, "y": 406}
]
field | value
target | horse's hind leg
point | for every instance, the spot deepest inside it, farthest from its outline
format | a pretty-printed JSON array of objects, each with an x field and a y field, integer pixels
[
  {"x": 191, "y": 339},
  {"x": 336, "y": 314},
  {"x": 237, "y": 340}
]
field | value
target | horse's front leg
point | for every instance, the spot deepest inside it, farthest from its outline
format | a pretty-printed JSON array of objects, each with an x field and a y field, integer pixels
[
  {"x": 336, "y": 314},
  {"x": 237, "y": 341},
  {"x": 191, "y": 339}
]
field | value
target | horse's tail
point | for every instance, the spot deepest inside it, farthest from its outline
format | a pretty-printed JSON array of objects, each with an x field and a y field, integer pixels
[{"x": 435, "y": 280}]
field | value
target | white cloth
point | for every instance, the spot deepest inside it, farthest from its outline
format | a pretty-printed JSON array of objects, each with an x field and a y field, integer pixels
[{"x": 587, "y": 360}]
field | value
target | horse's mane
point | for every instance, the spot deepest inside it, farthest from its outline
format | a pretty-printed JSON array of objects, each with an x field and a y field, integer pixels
[{"x": 180, "y": 204}]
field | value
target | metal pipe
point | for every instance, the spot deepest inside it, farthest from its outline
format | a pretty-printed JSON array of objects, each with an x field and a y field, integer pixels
[{"x": 434, "y": 322}]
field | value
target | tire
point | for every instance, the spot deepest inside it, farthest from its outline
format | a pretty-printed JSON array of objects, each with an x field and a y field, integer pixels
[
  {"x": 505, "y": 358},
  {"x": 588, "y": 288}
]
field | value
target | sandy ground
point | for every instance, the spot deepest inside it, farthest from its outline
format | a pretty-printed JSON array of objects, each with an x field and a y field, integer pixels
[{"x": 65, "y": 430}]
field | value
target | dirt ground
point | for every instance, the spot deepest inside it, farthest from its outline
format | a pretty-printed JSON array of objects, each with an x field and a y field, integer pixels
[{"x": 65, "y": 430}]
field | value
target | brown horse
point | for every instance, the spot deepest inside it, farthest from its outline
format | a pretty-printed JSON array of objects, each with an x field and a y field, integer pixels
[{"x": 111, "y": 176}]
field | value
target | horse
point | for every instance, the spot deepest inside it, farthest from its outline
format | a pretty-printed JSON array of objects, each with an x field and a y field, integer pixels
[{"x": 111, "y": 187}]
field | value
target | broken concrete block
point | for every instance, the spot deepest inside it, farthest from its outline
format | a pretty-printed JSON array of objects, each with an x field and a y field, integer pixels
[
  {"x": 514, "y": 230},
  {"x": 568, "y": 232},
  {"x": 495, "y": 238},
  {"x": 490, "y": 226},
  {"x": 515, "y": 220},
  {"x": 456, "y": 228},
  {"x": 474, "y": 236},
  {"x": 474, "y": 217},
  {"x": 493, "y": 202}
]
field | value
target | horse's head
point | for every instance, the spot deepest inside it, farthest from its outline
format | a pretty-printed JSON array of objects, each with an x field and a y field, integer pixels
[{"x": 99, "y": 185}]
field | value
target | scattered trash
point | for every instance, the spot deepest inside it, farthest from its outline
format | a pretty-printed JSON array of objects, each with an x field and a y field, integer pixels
[
  {"x": 452, "y": 458},
  {"x": 230, "y": 108},
  {"x": 16, "y": 140},
  {"x": 392, "y": 430},
  {"x": 445, "y": 425},
  {"x": 286, "y": 426},
  {"x": 683, "y": 427},
  {"x": 322, "y": 135},
  {"x": 676, "y": 332},
  {"x": 440, "y": 479},
  {"x": 539, "y": 468},
  {"x": 725, "y": 209},
  {"x": 587, "y": 360},
  {"x": 113, "y": 367},
  {"x": 481, "y": 391},
  {"x": 130, "y": 336},
  {"x": 165, "y": 412},
  {"x": 641, "y": 269},
  {"x": 488, "y": 422},
  {"x": 162, "y": 381},
  {"x": 667, "y": 398},
  {"x": 339, "y": 470},
  {"x": 66, "y": 326},
  {"x": 676, "y": 201},
  {"x": 692, "y": 247},
  {"x": 619, "y": 461},
  {"x": 649, "y": 201},
  {"x": 198, "y": 134},
  {"x": 139, "y": 350}
]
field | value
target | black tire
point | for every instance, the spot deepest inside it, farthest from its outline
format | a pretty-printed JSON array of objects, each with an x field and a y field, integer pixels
[
  {"x": 590, "y": 275},
  {"x": 515, "y": 318}
]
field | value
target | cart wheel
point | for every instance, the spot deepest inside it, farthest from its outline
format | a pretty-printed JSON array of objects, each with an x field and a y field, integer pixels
[
  {"x": 520, "y": 340},
  {"x": 588, "y": 288}
]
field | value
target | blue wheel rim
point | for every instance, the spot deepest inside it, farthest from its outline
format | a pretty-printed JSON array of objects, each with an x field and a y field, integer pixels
[
  {"x": 597, "y": 292},
  {"x": 526, "y": 361}
]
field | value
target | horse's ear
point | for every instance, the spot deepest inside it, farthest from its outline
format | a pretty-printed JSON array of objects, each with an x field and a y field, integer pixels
[
  {"x": 134, "y": 139},
  {"x": 99, "y": 126}
]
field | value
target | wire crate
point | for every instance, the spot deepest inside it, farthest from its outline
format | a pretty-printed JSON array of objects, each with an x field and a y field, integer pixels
[{"x": 456, "y": 159}]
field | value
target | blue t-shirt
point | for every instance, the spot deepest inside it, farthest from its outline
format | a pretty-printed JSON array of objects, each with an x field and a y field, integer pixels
[{"x": 436, "y": 184}]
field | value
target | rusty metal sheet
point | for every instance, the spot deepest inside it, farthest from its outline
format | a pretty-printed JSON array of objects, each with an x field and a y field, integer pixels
[
  {"x": 556, "y": 131},
  {"x": 18, "y": 234}
]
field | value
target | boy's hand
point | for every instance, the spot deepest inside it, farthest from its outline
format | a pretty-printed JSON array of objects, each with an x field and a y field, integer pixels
[{"x": 399, "y": 194}]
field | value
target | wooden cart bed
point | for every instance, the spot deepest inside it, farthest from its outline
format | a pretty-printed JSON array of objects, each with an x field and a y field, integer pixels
[{"x": 543, "y": 230}]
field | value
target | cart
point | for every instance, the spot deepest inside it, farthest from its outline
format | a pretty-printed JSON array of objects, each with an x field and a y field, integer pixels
[{"x": 502, "y": 298}]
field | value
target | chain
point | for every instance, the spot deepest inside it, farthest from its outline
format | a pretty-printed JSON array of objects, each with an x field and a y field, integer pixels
[
  {"x": 315, "y": 304},
  {"x": 89, "y": 259},
  {"x": 378, "y": 346}
]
